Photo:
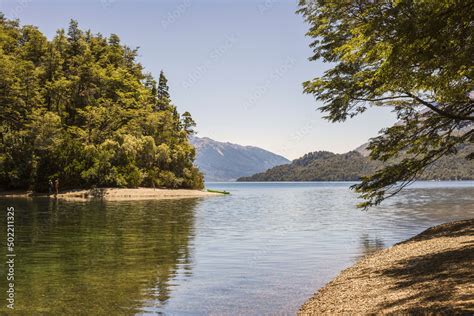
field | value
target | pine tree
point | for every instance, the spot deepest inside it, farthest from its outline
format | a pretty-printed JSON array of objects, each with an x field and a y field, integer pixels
[
  {"x": 74, "y": 36},
  {"x": 163, "y": 87},
  {"x": 162, "y": 94},
  {"x": 79, "y": 108},
  {"x": 188, "y": 123}
]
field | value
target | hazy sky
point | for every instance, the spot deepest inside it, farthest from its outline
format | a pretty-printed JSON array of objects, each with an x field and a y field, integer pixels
[{"x": 237, "y": 66}]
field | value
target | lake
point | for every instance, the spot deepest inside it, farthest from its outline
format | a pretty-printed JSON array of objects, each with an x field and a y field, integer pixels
[{"x": 264, "y": 249}]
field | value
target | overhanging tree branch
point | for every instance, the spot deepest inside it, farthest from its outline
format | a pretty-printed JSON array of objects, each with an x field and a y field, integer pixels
[{"x": 441, "y": 112}]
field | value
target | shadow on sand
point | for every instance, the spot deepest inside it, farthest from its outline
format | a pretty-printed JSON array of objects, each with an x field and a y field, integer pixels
[{"x": 444, "y": 280}]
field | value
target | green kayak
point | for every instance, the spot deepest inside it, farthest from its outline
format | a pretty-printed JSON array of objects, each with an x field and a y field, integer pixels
[{"x": 218, "y": 191}]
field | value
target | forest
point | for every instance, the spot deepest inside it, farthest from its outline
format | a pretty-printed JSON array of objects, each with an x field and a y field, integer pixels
[
  {"x": 80, "y": 108},
  {"x": 352, "y": 166}
]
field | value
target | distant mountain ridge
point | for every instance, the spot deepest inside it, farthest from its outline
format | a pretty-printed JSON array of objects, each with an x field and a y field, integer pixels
[
  {"x": 223, "y": 161},
  {"x": 327, "y": 166}
]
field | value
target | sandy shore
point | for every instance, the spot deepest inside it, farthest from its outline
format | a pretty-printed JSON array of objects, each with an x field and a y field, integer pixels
[
  {"x": 431, "y": 273},
  {"x": 118, "y": 194}
]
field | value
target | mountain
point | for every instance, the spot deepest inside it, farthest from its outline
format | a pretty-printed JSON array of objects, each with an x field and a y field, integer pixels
[
  {"x": 362, "y": 149},
  {"x": 318, "y": 166},
  {"x": 327, "y": 166},
  {"x": 226, "y": 162}
]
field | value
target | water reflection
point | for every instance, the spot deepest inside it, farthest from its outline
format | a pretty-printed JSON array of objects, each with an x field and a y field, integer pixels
[
  {"x": 370, "y": 244},
  {"x": 262, "y": 250},
  {"x": 98, "y": 258}
]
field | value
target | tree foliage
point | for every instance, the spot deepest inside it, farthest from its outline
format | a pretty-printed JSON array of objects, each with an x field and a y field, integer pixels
[
  {"x": 413, "y": 56},
  {"x": 352, "y": 166},
  {"x": 80, "y": 107}
]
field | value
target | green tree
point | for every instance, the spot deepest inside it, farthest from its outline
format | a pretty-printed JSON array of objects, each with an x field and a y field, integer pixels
[
  {"x": 188, "y": 123},
  {"x": 162, "y": 94},
  {"x": 80, "y": 107},
  {"x": 413, "y": 56}
]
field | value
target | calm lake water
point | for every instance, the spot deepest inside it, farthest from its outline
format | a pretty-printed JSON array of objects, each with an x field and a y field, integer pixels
[{"x": 264, "y": 249}]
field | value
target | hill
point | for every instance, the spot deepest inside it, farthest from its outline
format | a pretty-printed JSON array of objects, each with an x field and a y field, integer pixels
[
  {"x": 221, "y": 161},
  {"x": 327, "y": 166}
]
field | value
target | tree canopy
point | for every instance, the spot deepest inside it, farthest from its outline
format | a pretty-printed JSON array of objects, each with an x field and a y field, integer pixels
[
  {"x": 80, "y": 108},
  {"x": 413, "y": 56},
  {"x": 352, "y": 166}
]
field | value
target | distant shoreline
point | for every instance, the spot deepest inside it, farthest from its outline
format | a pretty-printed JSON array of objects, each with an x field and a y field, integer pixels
[
  {"x": 114, "y": 194},
  {"x": 429, "y": 273},
  {"x": 317, "y": 181}
]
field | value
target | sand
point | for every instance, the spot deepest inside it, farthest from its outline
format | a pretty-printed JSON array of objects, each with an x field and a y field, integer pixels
[
  {"x": 431, "y": 273},
  {"x": 118, "y": 194}
]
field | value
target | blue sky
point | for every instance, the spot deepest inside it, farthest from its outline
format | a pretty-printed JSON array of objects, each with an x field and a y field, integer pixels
[{"x": 237, "y": 66}]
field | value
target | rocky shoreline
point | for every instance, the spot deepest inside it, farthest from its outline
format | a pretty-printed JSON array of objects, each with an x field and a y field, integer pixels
[{"x": 431, "y": 273}]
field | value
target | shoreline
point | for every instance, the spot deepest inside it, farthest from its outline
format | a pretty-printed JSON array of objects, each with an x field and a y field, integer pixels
[
  {"x": 114, "y": 194},
  {"x": 431, "y": 272}
]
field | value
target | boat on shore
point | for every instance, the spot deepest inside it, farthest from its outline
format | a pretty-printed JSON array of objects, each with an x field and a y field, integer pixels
[{"x": 218, "y": 191}]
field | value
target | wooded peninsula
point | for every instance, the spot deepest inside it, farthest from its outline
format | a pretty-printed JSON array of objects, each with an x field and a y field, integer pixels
[{"x": 81, "y": 109}]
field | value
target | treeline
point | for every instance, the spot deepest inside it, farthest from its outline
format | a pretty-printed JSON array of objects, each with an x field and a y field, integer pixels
[
  {"x": 327, "y": 166},
  {"x": 80, "y": 108}
]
